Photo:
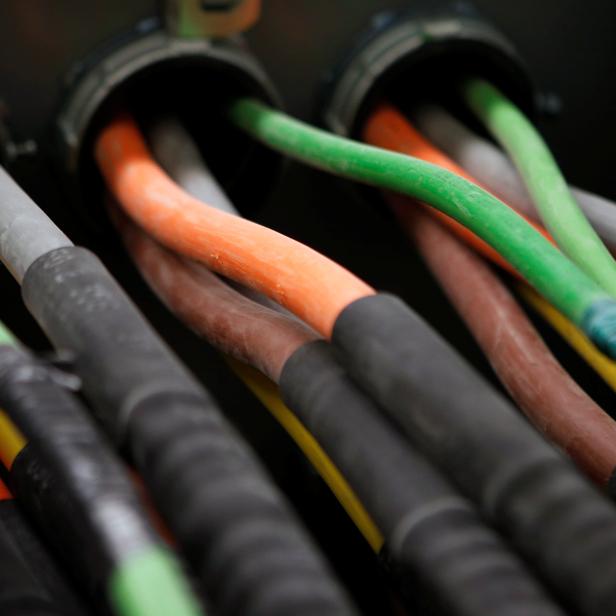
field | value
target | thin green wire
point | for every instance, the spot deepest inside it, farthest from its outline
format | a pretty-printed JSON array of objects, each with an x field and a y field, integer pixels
[
  {"x": 544, "y": 180},
  {"x": 543, "y": 265},
  {"x": 6, "y": 336},
  {"x": 151, "y": 584}
]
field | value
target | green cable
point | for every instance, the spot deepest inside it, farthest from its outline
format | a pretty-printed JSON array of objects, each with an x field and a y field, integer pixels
[
  {"x": 543, "y": 265},
  {"x": 146, "y": 584},
  {"x": 151, "y": 584},
  {"x": 6, "y": 336},
  {"x": 544, "y": 180}
]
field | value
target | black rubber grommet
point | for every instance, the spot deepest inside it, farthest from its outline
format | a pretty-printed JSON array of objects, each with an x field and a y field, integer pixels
[
  {"x": 410, "y": 54},
  {"x": 150, "y": 72}
]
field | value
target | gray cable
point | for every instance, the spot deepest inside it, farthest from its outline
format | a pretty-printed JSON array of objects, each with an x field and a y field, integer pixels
[
  {"x": 176, "y": 152},
  {"x": 26, "y": 232},
  {"x": 492, "y": 168},
  {"x": 178, "y": 155}
]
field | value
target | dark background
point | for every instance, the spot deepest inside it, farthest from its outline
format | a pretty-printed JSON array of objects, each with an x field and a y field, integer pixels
[{"x": 569, "y": 47}]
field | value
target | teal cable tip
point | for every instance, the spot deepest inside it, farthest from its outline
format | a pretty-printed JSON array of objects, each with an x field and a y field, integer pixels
[{"x": 599, "y": 324}]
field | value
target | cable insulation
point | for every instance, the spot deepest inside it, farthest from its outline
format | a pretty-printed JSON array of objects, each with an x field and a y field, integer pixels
[
  {"x": 548, "y": 270},
  {"x": 212, "y": 489},
  {"x": 232, "y": 323},
  {"x": 549, "y": 397},
  {"x": 68, "y": 473},
  {"x": 493, "y": 169},
  {"x": 12, "y": 441},
  {"x": 179, "y": 156},
  {"x": 5, "y": 493},
  {"x": 375, "y": 460},
  {"x": 602, "y": 365},
  {"x": 32, "y": 582},
  {"x": 307, "y": 283},
  {"x": 267, "y": 392},
  {"x": 544, "y": 391},
  {"x": 483, "y": 158},
  {"x": 387, "y": 128},
  {"x": 544, "y": 180},
  {"x": 26, "y": 232},
  {"x": 208, "y": 485}
]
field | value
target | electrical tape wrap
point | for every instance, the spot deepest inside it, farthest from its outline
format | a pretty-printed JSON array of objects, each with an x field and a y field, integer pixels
[
  {"x": 30, "y": 582},
  {"x": 436, "y": 545},
  {"x": 145, "y": 582},
  {"x": 555, "y": 517},
  {"x": 68, "y": 471},
  {"x": 233, "y": 525}
]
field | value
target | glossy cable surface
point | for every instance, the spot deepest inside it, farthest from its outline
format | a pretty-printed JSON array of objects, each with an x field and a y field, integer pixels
[{"x": 544, "y": 180}]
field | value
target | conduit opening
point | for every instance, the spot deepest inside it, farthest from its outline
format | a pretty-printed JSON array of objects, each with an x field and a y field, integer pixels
[
  {"x": 409, "y": 59},
  {"x": 193, "y": 81}
]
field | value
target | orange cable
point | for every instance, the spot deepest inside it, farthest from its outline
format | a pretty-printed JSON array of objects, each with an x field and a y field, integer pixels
[
  {"x": 310, "y": 285},
  {"x": 387, "y": 128}
]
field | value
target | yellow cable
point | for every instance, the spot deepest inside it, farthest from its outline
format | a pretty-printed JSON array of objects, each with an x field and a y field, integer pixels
[
  {"x": 601, "y": 364},
  {"x": 267, "y": 392},
  {"x": 12, "y": 441}
]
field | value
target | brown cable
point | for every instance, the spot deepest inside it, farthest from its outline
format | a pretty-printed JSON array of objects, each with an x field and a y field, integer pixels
[
  {"x": 234, "y": 324},
  {"x": 546, "y": 393}
]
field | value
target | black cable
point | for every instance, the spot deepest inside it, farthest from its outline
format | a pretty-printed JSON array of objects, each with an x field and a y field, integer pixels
[
  {"x": 478, "y": 575},
  {"x": 232, "y": 524},
  {"x": 556, "y": 518},
  {"x": 69, "y": 479},
  {"x": 31, "y": 583},
  {"x": 437, "y": 549}
]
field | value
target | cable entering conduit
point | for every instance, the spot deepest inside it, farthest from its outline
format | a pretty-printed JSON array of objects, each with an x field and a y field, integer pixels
[
  {"x": 495, "y": 171},
  {"x": 544, "y": 180},
  {"x": 543, "y": 265}
]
